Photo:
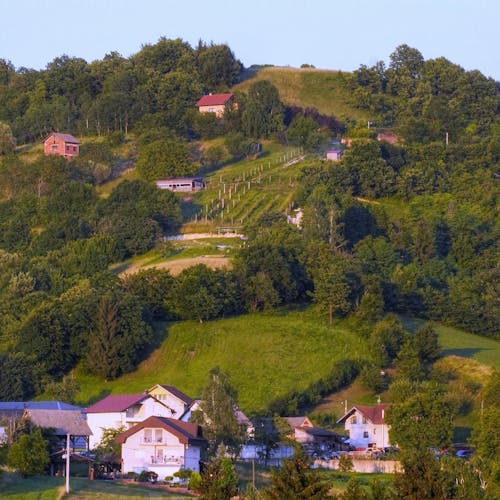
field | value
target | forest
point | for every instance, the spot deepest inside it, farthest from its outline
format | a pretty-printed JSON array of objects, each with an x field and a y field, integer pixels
[{"x": 406, "y": 228}]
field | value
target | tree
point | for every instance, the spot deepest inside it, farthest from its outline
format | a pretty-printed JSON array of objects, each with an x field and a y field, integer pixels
[
  {"x": 108, "y": 450},
  {"x": 218, "y": 406},
  {"x": 120, "y": 336},
  {"x": 426, "y": 342},
  {"x": 7, "y": 140},
  {"x": 331, "y": 289},
  {"x": 422, "y": 421},
  {"x": 29, "y": 454},
  {"x": 219, "y": 480},
  {"x": 263, "y": 114},
  {"x": 164, "y": 158},
  {"x": 202, "y": 293},
  {"x": 296, "y": 480}
]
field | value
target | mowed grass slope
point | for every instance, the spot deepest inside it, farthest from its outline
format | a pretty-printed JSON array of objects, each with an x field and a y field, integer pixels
[
  {"x": 326, "y": 90},
  {"x": 266, "y": 355}
]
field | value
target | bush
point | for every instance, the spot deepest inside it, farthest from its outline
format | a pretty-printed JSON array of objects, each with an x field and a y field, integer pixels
[
  {"x": 183, "y": 473},
  {"x": 345, "y": 463},
  {"x": 194, "y": 481},
  {"x": 147, "y": 476}
]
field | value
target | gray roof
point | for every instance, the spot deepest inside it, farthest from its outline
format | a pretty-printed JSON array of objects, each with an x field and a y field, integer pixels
[
  {"x": 15, "y": 409},
  {"x": 36, "y": 405},
  {"x": 71, "y": 422}
]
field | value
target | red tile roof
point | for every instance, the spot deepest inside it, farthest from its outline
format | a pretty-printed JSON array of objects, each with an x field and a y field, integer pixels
[
  {"x": 375, "y": 414},
  {"x": 64, "y": 137},
  {"x": 214, "y": 99},
  {"x": 116, "y": 403},
  {"x": 186, "y": 432}
]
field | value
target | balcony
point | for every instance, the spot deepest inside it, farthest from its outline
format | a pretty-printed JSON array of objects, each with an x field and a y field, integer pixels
[
  {"x": 152, "y": 440},
  {"x": 171, "y": 460}
]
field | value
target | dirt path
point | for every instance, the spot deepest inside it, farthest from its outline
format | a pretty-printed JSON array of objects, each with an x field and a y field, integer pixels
[{"x": 177, "y": 266}]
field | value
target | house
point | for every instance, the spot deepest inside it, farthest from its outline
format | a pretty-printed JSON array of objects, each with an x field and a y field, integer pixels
[
  {"x": 173, "y": 398},
  {"x": 304, "y": 431},
  {"x": 61, "y": 144},
  {"x": 183, "y": 184},
  {"x": 333, "y": 154},
  {"x": 63, "y": 423},
  {"x": 215, "y": 103},
  {"x": 162, "y": 445},
  {"x": 123, "y": 410},
  {"x": 243, "y": 421},
  {"x": 366, "y": 426},
  {"x": 11, "y": 413}
]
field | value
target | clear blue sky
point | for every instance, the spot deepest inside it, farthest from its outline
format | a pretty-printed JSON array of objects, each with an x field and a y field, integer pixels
[{"x": 330, "y": 34}]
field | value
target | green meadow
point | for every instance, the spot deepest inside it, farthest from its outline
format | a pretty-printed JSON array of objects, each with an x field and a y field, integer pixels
[{"x": 266, "y": 355}]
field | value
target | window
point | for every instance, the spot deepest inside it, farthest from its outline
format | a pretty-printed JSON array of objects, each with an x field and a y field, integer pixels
[
  {"x": 365, "y": 434},
  {"x": 374, "y": 431},
  {"x": 148, "y": 435},
  {"x": 364, "y": 420},
  {"x": 158, "y": 436},
  {"x": 354, "y": 420}
]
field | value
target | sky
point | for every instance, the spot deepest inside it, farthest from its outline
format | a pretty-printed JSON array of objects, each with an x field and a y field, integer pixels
[{"x": 329, "y": 34}]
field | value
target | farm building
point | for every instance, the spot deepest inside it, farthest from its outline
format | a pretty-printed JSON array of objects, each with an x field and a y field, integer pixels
[
  {"x": 183, "y": 184},
  {"x": 61, "y": 144},
  {"x": 214, "y": 103},
  {"x": 333, "y": 154}
]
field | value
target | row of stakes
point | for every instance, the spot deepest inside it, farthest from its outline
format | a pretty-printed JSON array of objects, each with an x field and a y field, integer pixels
[{"x": 219, "y": 205}]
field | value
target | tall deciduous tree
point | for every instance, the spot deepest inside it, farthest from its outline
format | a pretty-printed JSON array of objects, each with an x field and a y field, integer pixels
[
  {"x": 217, "y": 415},
  {"x": 164, "y": 158},
  {"x": 263, "y": 114}
]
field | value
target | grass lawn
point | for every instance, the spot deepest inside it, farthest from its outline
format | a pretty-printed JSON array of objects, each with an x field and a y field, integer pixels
[
  {"x": 456, "y": 342},
  {"x": 326, "y": 90},
  {"x": 266, "y": 356},
  {"x": 12, "y": 486}
]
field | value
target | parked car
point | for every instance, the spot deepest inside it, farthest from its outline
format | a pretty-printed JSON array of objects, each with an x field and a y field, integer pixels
[{"x": 466, "y": 453}]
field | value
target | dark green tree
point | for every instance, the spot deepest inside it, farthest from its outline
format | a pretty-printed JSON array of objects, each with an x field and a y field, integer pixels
[
  {"x": 296, "y": 480},
  {"x": 219, "y": 480},
  {"x": 263, "y": 114},
  {"x": 164, "y": 158}
]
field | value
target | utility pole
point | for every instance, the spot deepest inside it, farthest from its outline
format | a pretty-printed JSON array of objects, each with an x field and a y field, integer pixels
[{"x": 67, "y": 463}]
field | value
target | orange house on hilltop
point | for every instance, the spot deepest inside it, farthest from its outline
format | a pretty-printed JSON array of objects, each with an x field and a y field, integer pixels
[
  {"x": 214, "y": 103},
  {"x": 61, "y": 144}
]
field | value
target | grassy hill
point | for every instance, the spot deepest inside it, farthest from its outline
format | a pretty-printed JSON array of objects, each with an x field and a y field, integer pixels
[
  {"x": 267, "y": 355},
  {"x": 326, "y": 90}
]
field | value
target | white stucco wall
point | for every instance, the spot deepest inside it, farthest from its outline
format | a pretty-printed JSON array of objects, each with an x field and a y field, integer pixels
[
  {"x": 126, "y": 419},
  {"x": 98, "y": 421},
  {"x": 138, "y": 455},
  {"x": 377, "y": 434}
]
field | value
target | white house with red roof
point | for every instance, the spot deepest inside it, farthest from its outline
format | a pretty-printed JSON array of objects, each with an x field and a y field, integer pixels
[
  {"x": 61, "y": 144},
  {"x": 162, "y": 445},
  {"x": 366, "y": 426},
  {"x": 178, "y": 402},
  {"x": 215, "y": 103},
  {"x": 123, "y": 411}
]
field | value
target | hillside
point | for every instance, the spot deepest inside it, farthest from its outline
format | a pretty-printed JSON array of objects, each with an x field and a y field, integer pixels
[
  {"x": 328, "y": 91},
  {"x": 267, "y": 356}
]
